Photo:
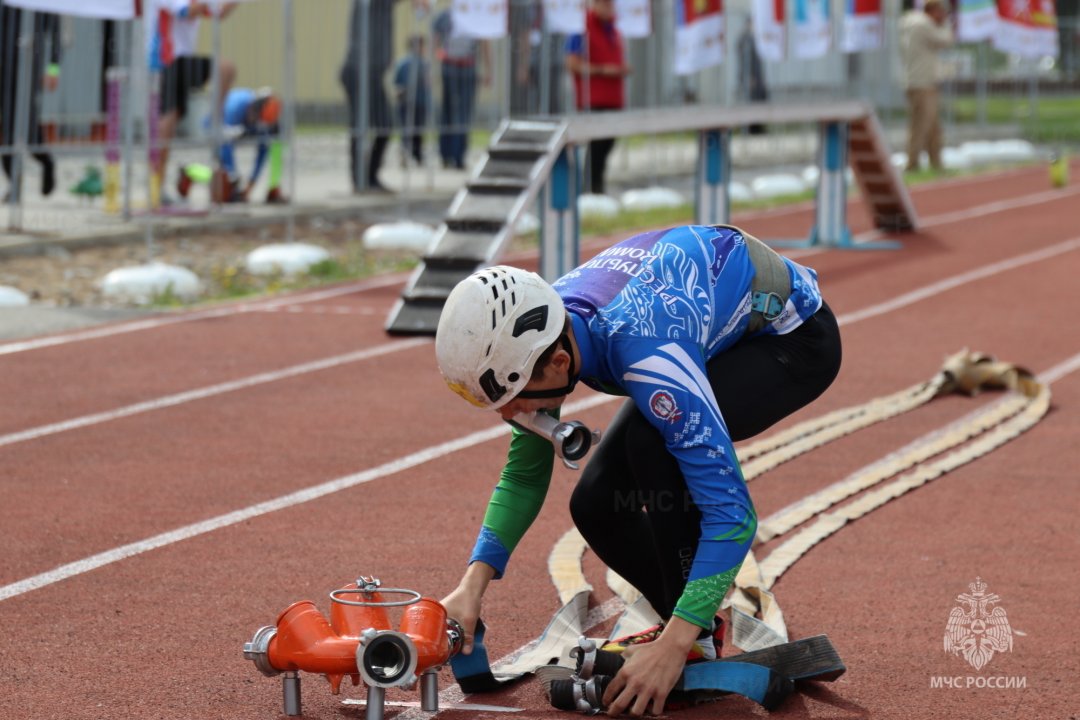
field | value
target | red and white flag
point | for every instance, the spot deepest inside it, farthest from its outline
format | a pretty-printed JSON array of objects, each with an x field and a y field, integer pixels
[
  {"x": 769, "y": 33},
  {"x": 565, "y": 16},
  {"x": 699, "y": 35},
  {"x": 482, "y": 19},
  {"x": 863, "y": 27},
  {"x": 1027, "y": 28},
  {"x": 633, "y": 18}
]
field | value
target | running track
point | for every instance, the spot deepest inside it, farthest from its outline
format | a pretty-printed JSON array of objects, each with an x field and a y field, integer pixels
[{"x": 171, "y": 485}]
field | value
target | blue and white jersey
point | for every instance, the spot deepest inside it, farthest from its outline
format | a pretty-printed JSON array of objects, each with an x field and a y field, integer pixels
[{"x": 648, "y": 314}]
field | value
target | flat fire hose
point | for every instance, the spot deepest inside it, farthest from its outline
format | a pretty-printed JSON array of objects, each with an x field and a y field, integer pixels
[{"x": 986, "y": 429}]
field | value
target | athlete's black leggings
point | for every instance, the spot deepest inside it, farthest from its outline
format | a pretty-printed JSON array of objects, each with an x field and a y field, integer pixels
[{"x": 652, "y": 541}]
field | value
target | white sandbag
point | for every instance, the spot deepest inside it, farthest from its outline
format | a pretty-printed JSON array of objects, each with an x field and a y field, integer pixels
[
  {"x": 739, "y": 192},
  {"x": 284, "y": 258},
  {"x": 13, "y": 297},
  {"x": 527, "y": 223},
  {"x": 403, "y": 235},
  {"x": 776, "y": 185},
  {"x": 1015, "y": 151},
  {"x": 143, "y": 283},
  {"x": 959, "y": 158},
  {"x": 652, "y": 198},
  {"x": 593, "y": 205}
]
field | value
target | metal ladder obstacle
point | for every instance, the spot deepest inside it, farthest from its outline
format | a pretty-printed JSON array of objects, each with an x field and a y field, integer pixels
[{"x": 480, "y": 220}]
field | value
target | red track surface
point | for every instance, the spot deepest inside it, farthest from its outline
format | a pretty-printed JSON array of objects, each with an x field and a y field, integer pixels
[{"x": 158, "y": 634}]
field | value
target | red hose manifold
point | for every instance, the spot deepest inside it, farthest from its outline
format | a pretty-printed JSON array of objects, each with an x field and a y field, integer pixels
[{"x": 358, "y": 641}]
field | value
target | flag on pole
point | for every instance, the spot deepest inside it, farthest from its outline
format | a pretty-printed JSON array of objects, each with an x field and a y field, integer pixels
[
  {"x": 565, "y": 16},
  {"x": 699, "y": 35},
  {"x": 107, "y": 9},
  {"x": 863, "y": 26},
  {"x": 1027, "y": 28},
  {"x": 481, "y": 19},
  {"x": 769, "y": 34},
  {"x": 976, "y": 20},
  {"x": 633, "y": 18},
  {"x": 813, "y": 30}
]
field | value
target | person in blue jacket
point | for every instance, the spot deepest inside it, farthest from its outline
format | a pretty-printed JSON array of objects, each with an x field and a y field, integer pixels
[
  {"x": 713, "y": 337},
  {"x": 247, "y": 114}
]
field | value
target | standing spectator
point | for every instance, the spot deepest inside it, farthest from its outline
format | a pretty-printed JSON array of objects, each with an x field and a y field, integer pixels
[
  {"x": 46, "y": 30},
  {"x": 923, "y": 34},
  {"x": 413, "y": 93},
  {"x": 528, "y": 66},
  {"x": 751, "y": 86},
  {"x": 597, "y": 63},
  {"x": 458, "y": 55},
  {"x": 171, "y": 49}
]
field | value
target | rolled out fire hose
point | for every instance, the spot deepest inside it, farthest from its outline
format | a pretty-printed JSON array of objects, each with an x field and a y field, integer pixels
[{"x": 970, "y": 438}]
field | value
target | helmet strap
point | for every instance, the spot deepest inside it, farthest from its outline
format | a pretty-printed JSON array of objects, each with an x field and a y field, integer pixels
[{"x": 572, "y": 377}]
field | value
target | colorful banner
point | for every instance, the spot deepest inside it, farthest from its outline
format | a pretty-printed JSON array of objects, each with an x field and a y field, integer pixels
[
  {"x": 976, "y": 20},
  {"x": 863, "y": 26},
  {"x": 812, "y": 30},
  {"x": 483, "y": 19},
  {"x": 565, "y": 16},
  {"x": 699, "y": 35},
  {"x": 111, "y": 9},
  {"x": 633, "y": 18},
  {"x": 1027, "y": 28},
  {"x": 769, "y": 33}
]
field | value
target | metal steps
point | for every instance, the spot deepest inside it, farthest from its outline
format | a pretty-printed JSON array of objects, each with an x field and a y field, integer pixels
[
  {"x": 881, "y": 184},
  {"x": 480, "y": 220}
]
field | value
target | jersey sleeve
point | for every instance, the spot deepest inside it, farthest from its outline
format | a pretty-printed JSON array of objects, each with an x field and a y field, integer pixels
[
  {"x": 516, "y": 500},
  {"x": 668, "y": 384}
]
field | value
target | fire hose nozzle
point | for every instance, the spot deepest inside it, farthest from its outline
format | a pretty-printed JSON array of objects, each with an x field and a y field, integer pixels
[{"x": 572, "y": 439}]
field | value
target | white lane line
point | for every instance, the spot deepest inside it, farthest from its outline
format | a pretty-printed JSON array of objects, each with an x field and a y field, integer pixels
[
  {"x": 383, "y": 281},
  {"x": 209, "y": 391},
  {"x": 280, "y": 503},
  {"x": 928, "y": 291},
  {"x": 233, "y": 309},
  {"x": 432, "y": 453}
]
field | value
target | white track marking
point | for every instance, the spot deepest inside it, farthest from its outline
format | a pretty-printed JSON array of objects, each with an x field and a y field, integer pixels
[
  {"x": 232, "y": 309},
  {"x": 280, "y": 503},
  {"x": 896, "y": 303},
  {"x": 383, "y": 281},
  {"x": 438, "y": 451},
  {"x": 928, "y": 291},
  {"x": 209, "y": 391}
]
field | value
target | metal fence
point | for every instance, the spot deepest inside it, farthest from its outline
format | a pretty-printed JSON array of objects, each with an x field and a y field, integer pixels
[{"x": 99, "y": 128}]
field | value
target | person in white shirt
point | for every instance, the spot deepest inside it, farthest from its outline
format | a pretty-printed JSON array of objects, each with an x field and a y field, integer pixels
[{"x": 923, "y": 35}]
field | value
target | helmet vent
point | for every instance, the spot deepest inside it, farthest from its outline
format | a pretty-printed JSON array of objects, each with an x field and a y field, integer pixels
[
  {"x": 494, "y": 322},
  {"x": 535, "y": 319}
]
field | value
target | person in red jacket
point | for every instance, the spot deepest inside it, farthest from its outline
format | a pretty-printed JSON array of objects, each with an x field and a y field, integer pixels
[{"x": 596, "y": 61}]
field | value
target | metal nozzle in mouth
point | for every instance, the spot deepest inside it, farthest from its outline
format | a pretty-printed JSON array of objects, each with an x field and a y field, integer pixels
[
  {"x": 386, "y": 659},
  {"x": 572, "y": 439},
  {"x": 257, "y": 651}
]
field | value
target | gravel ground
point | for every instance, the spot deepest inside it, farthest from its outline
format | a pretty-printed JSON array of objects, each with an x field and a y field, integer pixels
[{"x": 71, "y": 277}]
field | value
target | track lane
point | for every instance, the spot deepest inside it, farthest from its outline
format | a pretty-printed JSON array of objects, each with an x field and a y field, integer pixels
[{"x": 219, "y": 588}]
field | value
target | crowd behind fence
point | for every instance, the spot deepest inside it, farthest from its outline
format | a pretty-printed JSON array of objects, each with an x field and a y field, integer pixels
[{"x": 443, "y": 94}]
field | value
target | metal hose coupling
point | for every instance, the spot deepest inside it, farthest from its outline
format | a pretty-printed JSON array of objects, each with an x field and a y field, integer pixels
[
  {"x": 585, "y": 696},
  {"x": 572, "y": 439},
  {"x": 590, "y": 660}
]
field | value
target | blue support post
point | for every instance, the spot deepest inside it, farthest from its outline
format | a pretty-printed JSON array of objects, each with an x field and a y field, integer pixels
[
  {"x": 712, "y": 198},
  {"x": 830, "y": 218},
  {"x": 559, "y": 229}
]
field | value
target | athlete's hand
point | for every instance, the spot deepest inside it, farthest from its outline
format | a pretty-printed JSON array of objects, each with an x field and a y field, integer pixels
[
  {"x": 650, "y": 671},
  {"x": 464, "y": 606}
]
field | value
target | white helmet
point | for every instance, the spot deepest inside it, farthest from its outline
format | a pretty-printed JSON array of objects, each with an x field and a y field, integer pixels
[{"x": 494, "y": 326}]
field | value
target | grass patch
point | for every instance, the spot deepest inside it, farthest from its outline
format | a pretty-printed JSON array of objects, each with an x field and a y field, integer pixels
[{"x": 1051, "y": 119}]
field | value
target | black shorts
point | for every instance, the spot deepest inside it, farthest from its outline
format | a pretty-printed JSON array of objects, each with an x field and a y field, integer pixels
[{"x": 178, "y": 80}]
